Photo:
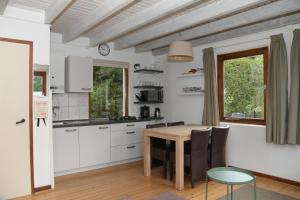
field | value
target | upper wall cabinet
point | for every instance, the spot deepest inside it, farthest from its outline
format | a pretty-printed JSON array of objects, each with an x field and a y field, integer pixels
[
  {"x": 57, "y": 73},
  {"x": 79, "y": 74}
]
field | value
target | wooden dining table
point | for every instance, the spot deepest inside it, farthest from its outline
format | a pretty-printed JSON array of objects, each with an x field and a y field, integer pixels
[{"x": 179, "y": 134}]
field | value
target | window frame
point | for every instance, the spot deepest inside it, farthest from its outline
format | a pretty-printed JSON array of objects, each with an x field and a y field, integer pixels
[
  {"x": 220, "y": 75},
  {"x": 125, "y": 84},
  {"x": 44, "y": 77}
]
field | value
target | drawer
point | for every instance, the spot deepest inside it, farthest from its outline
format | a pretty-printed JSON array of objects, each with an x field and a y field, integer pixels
[
  {"x": 125, "y": 126},
  {"x": 126, "y": 152},
  {"x": 126, "y": 137}
]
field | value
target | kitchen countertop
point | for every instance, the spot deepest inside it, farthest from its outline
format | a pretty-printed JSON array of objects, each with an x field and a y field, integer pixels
[{"x": 87, "y": 122}]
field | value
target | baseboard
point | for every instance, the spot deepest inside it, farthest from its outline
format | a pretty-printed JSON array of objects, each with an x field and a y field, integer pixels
[
  {"x": 39, "y": 189},
  {"x": 291, "y": 182}
]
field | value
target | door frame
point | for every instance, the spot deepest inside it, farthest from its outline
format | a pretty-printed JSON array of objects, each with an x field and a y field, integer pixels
[{"x": 30, "y": 67}]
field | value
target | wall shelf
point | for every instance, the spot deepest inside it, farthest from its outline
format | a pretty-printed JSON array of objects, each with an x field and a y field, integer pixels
[
  {"x": 191, "y": 93},
  {"x": 190, "y": 75},
  {"x": 148, "y": 71},
  {"x": 148, "y": 102},
  {"x": 148, "y": 87}
]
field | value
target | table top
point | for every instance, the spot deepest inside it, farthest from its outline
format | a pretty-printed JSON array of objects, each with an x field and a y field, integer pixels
[
  {"x": 230, "y": 175},
  {"x": 179, "y": 131}
]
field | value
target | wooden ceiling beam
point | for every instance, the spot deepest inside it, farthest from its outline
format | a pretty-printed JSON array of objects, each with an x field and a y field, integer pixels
[
  {"x": 56, "y": 9},
  {"x": 157, "y": 11},
  {"x": 262, "y": 13},
  {"x": 240, "y": 32},
  {"x": 106, "y": 10},
  {"x": 3, "y": 5},
  {"x": 203, "y": 14}
]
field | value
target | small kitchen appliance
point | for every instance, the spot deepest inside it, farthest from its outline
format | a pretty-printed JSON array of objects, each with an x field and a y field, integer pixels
[
  {"x": 157, "y": 113},
  {"x": 145, "y": 112}
]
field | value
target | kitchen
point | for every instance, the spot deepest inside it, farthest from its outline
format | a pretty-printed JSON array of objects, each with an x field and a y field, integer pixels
[{"x": 101, "y": 79}]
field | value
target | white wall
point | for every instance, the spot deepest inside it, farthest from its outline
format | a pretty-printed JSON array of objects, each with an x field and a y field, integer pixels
[
  {"x": 246, "y": 143},
  {"x": 40, "y": 35},
  {"x": 80, "y": 47}
]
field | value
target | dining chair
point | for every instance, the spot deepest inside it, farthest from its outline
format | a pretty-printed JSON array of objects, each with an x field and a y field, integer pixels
[
  {"x": 175, "y": 123},
  {"x": 216, "y": 152},
  {"x": 195, "y": 157},
  {"x": 159, "y": 149}
]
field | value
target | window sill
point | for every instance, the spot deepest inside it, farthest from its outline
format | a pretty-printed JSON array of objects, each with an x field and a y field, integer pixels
[{"x": 242, "y": 124}]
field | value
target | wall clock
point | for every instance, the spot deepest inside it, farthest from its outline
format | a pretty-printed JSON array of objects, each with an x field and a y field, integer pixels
[{"x": 103, "y": 49}]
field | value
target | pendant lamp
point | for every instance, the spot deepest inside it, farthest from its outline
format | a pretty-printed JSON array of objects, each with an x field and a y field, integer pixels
[{"x": 180, "y": 51}]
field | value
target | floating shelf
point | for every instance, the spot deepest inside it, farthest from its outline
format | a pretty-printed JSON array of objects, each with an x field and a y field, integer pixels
[
  {"x": 191, "y": 93},
  {"x": 190, "y": 75},
  {"x": 148, "y": 86},
  {"x": 148, "y": 71},
  {"x": 148, "y": 102}
]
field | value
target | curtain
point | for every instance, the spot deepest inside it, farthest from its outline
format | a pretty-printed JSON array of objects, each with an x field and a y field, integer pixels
[
  {"x": 294, "y": 110},
  {"x": 277, "y": 92},
  {"x": 211, "y": 107}
]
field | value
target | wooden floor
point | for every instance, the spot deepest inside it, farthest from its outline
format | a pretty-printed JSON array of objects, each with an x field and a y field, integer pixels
[{"x": 118, "y": 182}]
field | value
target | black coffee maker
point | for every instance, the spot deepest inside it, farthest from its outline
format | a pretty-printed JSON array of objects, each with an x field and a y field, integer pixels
[{"x": 145, "y": 112}]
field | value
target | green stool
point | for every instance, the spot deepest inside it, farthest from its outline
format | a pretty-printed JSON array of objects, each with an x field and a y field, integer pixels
[{"x": 230, "y": 176}]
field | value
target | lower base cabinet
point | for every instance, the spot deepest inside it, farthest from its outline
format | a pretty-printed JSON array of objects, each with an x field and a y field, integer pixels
[
  {"x": 94, "y": 145},
  {"x": 65, "y": 149},
  {"x": 124, "y": 152}
]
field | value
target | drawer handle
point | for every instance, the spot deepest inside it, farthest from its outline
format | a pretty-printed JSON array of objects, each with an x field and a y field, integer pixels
[
  {"x": 131, "y": 132},
  {"x": 130, "y": 147},
  {"x": 128, "y": 125},
  {"x": 70, "y": 130},
  {"x": 85, "y": 88},
  {"x": 103, "y": 127}
]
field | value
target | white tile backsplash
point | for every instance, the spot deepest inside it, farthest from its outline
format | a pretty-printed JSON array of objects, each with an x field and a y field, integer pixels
[
  {"x": 73, "y": 112},
  {"x": 84, "y": 112},
  {"x": 70, "y": 106}
]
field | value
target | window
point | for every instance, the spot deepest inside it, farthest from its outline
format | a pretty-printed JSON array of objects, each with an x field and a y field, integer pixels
[
  {"x": 109, "y": 98},
  {"x": 39, "y": 82},
  {"x": 241, "y": 86}
]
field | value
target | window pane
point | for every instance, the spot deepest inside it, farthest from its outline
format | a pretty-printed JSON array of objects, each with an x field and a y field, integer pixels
[
  {"x": 38, "y": 84},
  {"x": 244, "y": 87},
  {"x": 107, "y": 95}
]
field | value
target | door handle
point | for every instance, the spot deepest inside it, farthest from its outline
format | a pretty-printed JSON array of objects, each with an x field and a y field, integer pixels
[{"x": 21, "y": 121}]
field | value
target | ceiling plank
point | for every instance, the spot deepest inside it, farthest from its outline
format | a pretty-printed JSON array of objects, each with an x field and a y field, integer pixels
[
  {"x": 56, "y": 9},
  {"x": 240, "y": 32},
  {"x": 106, "y": 10},
  {"x": 203, "y": 14},
  {"x": 3, "y": 4},
  {"x": 159, "y": 10},
  {"x": 238, "y": 20}
]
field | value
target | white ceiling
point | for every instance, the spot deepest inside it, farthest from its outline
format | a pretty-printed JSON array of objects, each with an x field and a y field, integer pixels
[{"x": 143, "y": 23}]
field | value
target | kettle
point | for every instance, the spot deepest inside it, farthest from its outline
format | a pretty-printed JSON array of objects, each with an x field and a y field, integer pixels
[{"x": 157, "y": 113}]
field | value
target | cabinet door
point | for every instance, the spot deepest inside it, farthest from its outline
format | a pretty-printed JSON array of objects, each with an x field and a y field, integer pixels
[
  {"x": 79, "y": 74},
  {"x": 128, "y": 136},
  {"x": 57, "y": 73},
  {"x": 94, "y": 145},
  {"x": 66, "y": 148}
]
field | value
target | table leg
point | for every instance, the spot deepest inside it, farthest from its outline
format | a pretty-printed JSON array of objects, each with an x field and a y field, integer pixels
[
  {"x": 227, "y": 192},
  {"x": 206, "y": 188},
  {"x": 231, "y": 191},
  {"x": 179, "y": 164},
  {"x": 254, "y": 189},
  {"x": 147, "y": 156}
]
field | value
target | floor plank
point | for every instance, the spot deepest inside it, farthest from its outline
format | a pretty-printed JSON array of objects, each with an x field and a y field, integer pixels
[{"x": 117, "y": 182}]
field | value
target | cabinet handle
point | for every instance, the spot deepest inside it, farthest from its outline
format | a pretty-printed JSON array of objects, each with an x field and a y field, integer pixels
[
  {"x": 103, "y": 127},
  {"x": 130, "y": 132},
  {"x": 85, "y": 88},
  {"x": 71, "y": 130},
  {"x": 130, "y": 147},
  {"x": 128, "y": 125}
]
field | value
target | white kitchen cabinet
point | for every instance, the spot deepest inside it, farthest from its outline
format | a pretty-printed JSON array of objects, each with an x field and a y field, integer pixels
[
  {"x": 128, "y": 136},
  {"x": 57, "y": 73},
  {"x": 79, "y": 74},
  {"x": 124, "y": 152},
  {"x": 94, "y": 145},
  {"x": 66, "y": 148}
]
